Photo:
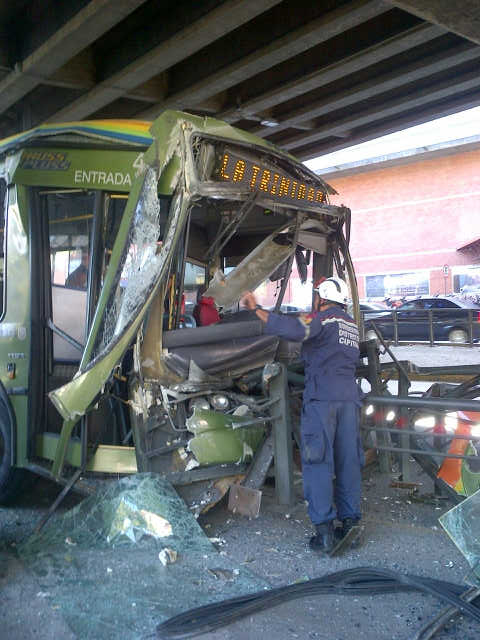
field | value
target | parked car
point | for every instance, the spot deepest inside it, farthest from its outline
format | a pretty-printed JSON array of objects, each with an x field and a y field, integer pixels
[
  {"x": 449, "y": 316},
  {"x": 371, "y": 308},
  {"x": 287, "y": 308}
]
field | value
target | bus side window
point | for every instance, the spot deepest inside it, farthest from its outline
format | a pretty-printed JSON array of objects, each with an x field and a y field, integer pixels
[
  {"x": 3, "y": 239},
  {"x": 70, "y": 217}
]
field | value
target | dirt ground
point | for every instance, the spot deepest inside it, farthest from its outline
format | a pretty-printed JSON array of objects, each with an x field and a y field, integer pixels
[{"x": 402, "y": 532}]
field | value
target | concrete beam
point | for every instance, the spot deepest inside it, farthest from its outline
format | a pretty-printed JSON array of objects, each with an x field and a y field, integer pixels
[
  {"x": 216, "y": 24},
  {"x": 415, "y": 71},
  {"x": 284, "y": 48},
  {"x": 79, "y": 73},
  {"x": 407, "y": 102},
  {"x": 151, "y": 91},
  {"x": 97, "y": 17},
  {"x": 357, "y": 62},
  {"x": 462, "y": 18},
  {"x": 427, "y": 114}
]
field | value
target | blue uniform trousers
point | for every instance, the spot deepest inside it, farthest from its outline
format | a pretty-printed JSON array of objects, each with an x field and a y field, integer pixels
[{"x": 331, "y": 447}]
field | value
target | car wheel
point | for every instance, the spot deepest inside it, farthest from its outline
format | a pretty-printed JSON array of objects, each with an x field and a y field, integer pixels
[
  {"x": 11, "y": 479},
  {"x": 458, "y": 335}
]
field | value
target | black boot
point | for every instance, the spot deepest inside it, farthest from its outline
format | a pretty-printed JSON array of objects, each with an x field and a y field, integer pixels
[{"x": 324, "y": 540}]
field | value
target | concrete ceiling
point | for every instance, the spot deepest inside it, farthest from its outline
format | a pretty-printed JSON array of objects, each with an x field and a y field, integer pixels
[{"x": 311, "y": 76}]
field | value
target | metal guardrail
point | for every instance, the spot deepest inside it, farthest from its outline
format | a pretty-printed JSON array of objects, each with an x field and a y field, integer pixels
[
  {"x": 401, "y": 325},
  {"x": 401, "y": 438},
  {"x": 444, "y": 404}
]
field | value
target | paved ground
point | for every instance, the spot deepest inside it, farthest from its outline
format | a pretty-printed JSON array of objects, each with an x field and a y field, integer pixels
[
  {"x": 401, "y": 532},
  {"x": 426, "y": 356}
]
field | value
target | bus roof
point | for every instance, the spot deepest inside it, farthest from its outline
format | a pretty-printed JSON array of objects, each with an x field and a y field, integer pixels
[{"x": 124, "y": 132}]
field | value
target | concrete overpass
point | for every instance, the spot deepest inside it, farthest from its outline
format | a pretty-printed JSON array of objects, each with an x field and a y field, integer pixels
[{"x": 311, "y": 76}]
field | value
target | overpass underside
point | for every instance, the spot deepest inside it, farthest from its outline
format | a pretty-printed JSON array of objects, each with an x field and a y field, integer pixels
[{"x": 312, "y": 77}]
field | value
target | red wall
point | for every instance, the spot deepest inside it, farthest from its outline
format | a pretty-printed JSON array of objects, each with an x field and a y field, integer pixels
[{"x": 414, "y": 216}]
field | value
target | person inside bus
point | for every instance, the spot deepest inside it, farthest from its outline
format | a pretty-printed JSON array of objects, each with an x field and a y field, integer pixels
[
  {"x": 205, "y": 312},
  {"x": 79, "y": 277}
]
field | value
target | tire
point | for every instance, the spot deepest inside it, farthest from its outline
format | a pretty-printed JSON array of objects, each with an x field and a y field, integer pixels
[
  {"x": 11, "y": 479},
  {"x": 460, "y": 336}
]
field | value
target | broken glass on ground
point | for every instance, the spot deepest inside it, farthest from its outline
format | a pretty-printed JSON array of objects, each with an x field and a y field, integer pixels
[
  {"x": 462, "y": 524},
  {"x": 100, "y": 562}
]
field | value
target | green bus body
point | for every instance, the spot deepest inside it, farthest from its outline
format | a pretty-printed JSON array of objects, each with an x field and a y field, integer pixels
[{"x": 97, "y": 350}]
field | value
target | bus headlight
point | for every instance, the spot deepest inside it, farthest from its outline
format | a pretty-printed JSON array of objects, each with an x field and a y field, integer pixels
[
  {"x": 201, "y": 404},
  {"x": 220, "y": 402}
]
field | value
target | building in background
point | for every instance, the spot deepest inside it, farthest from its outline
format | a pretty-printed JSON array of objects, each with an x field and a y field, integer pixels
[{"x": 415, "y": 219}]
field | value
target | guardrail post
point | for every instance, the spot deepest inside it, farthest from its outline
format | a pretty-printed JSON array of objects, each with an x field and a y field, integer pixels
[
  {"x": 282, "y": 430},
  {"x": 405, "y": 464},
  {"x": 374, "y": 377},
  {"x": 395, "y": 328}
]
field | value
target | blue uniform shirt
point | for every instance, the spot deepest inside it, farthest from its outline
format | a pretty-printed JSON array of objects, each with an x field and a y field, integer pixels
[{"x": 329, "y": 351}]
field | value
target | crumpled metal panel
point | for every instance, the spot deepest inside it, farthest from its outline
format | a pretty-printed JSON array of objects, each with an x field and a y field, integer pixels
[
  {"x": 74, "y": 398},
  {"x": 250, "y": 273}
]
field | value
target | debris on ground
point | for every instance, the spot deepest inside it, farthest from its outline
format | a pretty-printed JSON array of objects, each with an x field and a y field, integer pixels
[{"x": 167, "y": 556}]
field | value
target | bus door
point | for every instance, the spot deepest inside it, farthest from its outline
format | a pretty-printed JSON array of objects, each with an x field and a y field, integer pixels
[
  {"x": 81, "y": 230},
  {"x": 67, "y": 217}
]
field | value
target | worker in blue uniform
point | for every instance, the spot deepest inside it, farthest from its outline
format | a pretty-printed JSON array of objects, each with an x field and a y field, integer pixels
[{"x": 330, "y": 446}]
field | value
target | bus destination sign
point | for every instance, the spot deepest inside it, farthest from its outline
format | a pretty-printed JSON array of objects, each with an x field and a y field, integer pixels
[{"x": 280, "y": 186}]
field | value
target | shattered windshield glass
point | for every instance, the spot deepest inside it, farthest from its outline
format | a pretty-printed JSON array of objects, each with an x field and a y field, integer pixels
[
  {"x": 138, "y": 268},
  {"x": 462, "y": 523}
]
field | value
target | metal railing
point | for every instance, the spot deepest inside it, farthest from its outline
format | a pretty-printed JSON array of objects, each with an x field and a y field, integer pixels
[
  {"x": 435, "y": 326},
  {"x": 398, "y": 436}
]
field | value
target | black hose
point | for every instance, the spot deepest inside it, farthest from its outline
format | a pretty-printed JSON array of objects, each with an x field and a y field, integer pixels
[{"x": 359, "y": 581}]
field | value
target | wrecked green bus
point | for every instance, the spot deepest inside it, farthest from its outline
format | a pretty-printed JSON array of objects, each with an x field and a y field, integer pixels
[{"x": 110, "y": 229}]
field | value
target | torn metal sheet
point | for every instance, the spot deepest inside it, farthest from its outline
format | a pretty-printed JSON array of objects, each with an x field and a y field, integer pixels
[
  {"x": 73, "y": 399},
  {"x": 226, "y": 290}
]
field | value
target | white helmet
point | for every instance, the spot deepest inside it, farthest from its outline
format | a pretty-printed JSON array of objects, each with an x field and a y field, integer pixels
[{"x": 334, "y": 290}]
